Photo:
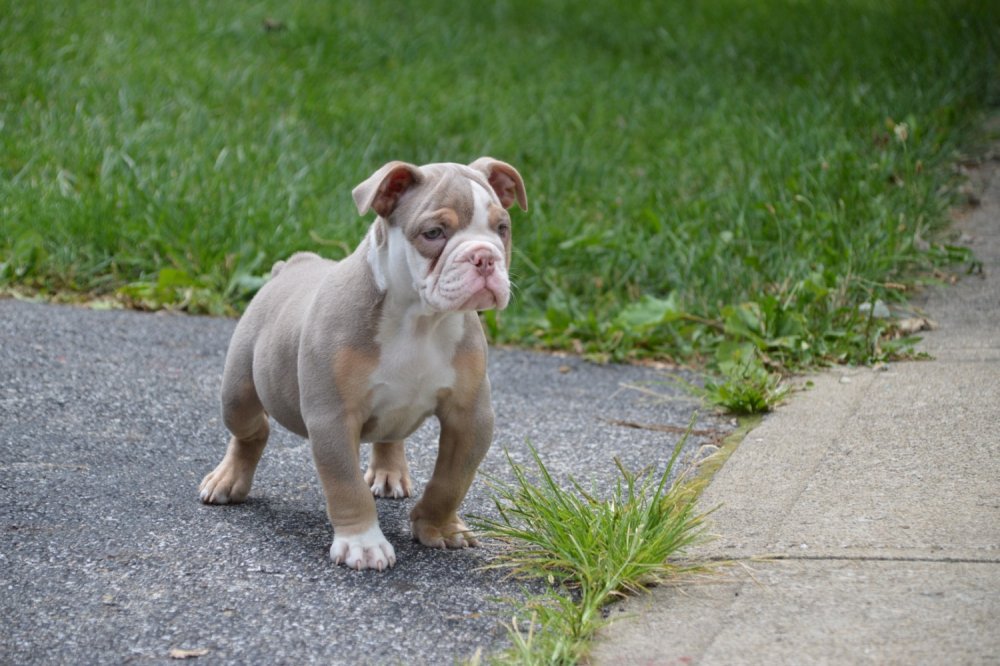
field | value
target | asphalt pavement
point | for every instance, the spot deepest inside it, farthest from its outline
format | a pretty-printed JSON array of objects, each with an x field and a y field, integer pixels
[{"x": 108, "y": 421}]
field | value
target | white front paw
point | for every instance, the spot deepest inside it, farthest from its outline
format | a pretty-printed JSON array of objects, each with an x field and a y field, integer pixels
[{"x": 367, "y": 550}]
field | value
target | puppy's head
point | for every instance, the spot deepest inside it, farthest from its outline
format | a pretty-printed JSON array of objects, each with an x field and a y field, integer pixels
[{"x": 443, "y": 231}]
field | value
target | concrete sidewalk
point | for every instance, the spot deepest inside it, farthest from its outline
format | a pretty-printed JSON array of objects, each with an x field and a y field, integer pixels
[{"x": 876, "y": 496}]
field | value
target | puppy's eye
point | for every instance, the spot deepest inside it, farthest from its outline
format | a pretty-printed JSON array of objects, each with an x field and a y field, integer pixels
[
  {"x": 433, "y": 234},
  {"x": 503, "y": 230}
]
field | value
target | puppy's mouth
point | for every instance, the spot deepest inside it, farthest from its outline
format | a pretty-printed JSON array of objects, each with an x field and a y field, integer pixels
[
  {"x": 468, "y": 292},
  {"x": 486, "y": 298}
]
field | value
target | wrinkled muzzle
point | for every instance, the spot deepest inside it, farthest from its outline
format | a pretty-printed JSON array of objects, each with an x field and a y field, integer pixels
[{"x": 471, "y": 277}]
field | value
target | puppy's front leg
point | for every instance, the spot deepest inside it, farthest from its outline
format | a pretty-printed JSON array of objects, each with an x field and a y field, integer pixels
[
  {"x": 358, "y": 541},
  {"x": 466, "y": 435}
]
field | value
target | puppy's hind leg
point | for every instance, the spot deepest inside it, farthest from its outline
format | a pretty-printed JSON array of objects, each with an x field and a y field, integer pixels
[
  {"x": 246, "y": 419},
  {"x": 388, "y": 474}
]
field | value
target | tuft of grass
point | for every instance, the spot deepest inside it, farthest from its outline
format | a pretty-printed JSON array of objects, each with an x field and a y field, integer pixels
[
  {"x": 590, "y": 548},
  {"x": 745, "y": 389}
]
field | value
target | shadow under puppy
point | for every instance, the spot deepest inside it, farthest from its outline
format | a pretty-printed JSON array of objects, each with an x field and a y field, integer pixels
[{"x": 365, "y": 349}]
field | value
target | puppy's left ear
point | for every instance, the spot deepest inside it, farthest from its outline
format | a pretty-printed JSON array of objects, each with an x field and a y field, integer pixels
[
  {"x": 505, "y": 181},
  {"x": 383, "y": 188}
]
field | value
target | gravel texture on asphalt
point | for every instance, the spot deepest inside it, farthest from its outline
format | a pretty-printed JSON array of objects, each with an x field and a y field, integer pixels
[{"x": 109, "y": 420}]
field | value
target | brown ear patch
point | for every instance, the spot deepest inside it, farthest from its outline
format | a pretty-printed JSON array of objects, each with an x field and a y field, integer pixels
[
  {"x": 505, "y": 187},
  {"x": 397, "y": 182},
  {"x": 505, "y": 181},
  {"x": 383, "y": 188}
]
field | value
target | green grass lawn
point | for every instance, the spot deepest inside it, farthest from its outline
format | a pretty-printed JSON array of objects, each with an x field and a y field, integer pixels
[{"x": 703, "y": 177}]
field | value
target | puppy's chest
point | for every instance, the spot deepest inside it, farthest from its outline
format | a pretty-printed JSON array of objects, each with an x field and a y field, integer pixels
[{"x": 412, "y": 371}]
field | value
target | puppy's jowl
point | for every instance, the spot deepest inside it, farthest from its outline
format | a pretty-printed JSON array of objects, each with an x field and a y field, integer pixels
[{"x": 365, "y": 349}]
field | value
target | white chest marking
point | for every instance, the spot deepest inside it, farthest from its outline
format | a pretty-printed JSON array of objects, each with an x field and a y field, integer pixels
[{"x": 415, "y": 363}]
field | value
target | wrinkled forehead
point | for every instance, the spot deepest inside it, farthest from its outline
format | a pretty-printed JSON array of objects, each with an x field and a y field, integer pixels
[{"x": 453, "y": 186}]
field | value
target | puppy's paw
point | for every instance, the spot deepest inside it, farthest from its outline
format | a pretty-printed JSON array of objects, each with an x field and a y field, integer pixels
[
  {"x": 389, "y": 482},
  {"x": 367, "y": 550},
  {"x": 229, "y": 483},
  {"x": 452, "y": 534}
]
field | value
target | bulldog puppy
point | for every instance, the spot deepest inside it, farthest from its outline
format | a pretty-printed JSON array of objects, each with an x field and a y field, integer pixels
[{"x": 365, "y": 349}]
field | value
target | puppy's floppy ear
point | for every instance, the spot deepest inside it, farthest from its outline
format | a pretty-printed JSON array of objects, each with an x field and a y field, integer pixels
[
  {"x": 382, "y": 190},
  {"x": 505, "y": 181}
]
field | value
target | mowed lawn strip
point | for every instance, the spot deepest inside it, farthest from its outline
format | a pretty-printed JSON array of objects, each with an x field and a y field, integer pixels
[{"x": 702, "y": 176}]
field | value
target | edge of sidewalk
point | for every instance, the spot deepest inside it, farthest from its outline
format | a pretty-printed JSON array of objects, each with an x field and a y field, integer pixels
[{"x": 818, "y": 490}]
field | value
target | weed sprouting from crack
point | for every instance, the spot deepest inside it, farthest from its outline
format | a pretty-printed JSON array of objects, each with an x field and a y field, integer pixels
[{"x": 590, "y": 549}]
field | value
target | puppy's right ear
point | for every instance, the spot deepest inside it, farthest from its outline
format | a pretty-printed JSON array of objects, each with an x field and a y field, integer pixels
[{"x": 383, "y": 188}]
